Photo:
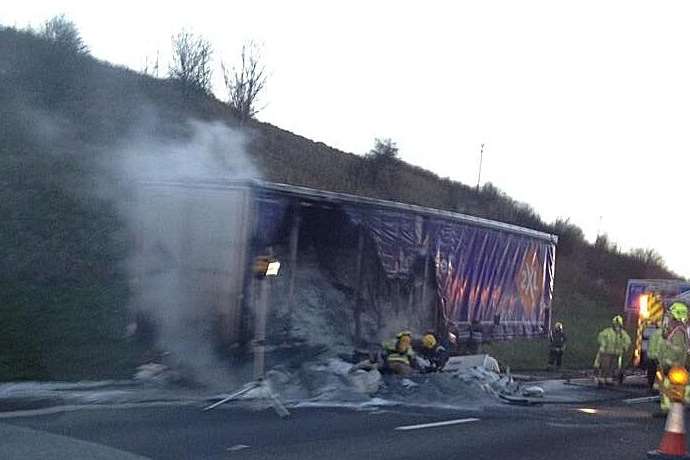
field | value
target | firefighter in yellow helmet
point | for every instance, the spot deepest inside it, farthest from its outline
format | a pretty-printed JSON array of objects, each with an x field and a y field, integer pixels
[
  {"x": 613, "y": 342},
  {"x": 398, "y": 356},
  {"x": 672, "y": 348},
  {"x": 433, "y": 355}
]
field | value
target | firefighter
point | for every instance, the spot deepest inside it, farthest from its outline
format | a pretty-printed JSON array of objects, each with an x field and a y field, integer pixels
[
  {"x": 613, "y": 341},
  {"x": 434, "y": 356},
  {"x": 398, "y": 356},
  {"x": 557, "y": 341},
  {"x": 652, "y": 357},
  {"x": 673, "y": 348}
]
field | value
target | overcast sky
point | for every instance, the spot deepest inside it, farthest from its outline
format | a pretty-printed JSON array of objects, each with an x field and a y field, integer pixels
[{"x": 584, "y": 106}]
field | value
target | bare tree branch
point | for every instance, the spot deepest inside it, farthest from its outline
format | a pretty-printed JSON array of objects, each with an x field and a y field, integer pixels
[
  {"x": 245, "y": 84},
  {"x": 191, "y": 63},
  {"x": 152, "y": 68}
]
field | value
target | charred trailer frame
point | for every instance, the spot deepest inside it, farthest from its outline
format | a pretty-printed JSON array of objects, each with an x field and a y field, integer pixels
[{"x": 389, "y": 265}]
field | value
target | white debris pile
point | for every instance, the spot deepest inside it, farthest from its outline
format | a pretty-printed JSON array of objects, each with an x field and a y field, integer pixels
[
  {"x": 152, "y": 372},
  {"x": 466, "y": 363},
  {"x": 332, "y": 380},
  {"x": 533, "y": 391},
  {"x": 484, "y": 370},
  {"x": 489, "y": 381},
  {"x": 317, "y": 306},
  {"x": 469, "y": 381},
  {"x": 366, "y": 382},
  {"x": 165, "y": 375},
  {"x": 60, "y": 393}
]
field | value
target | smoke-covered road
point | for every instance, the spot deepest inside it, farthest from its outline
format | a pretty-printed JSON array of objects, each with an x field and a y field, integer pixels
[{"x": 561, "y": 432}]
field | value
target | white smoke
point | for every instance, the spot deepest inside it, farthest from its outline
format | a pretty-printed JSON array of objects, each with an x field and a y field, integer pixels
[
  {"x": 212, "y": 150},
  {"x": 182, "y": 267}
]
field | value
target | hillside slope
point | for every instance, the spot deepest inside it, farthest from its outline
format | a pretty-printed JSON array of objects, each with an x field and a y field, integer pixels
[{"x": 63, "y": 289}]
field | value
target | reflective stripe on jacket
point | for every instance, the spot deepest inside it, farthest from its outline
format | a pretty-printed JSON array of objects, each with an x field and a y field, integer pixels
[
  {"x": 393, "y": 355},
  {"x": 674, "y": 350},
  {"x": 612, "y": 342},
  {"x": 655, "y": 344}
]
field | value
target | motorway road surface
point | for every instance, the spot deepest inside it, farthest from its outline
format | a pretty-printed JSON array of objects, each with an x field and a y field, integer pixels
[{"x": 616, "y": 430}]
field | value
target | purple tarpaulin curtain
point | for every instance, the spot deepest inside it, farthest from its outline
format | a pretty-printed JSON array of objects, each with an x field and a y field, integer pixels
[
  {"x": 488, "y": 276},
  {"x": 484, "y": 276},
  {"x": 399, "y": 238}
]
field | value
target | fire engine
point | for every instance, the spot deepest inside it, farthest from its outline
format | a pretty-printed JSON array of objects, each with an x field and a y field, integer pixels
[{"x": 645, "y": 304}]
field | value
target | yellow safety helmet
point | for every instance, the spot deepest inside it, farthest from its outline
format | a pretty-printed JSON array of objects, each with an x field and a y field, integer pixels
[
  {"x": 429, "y": 341},
  {"x": 404, "y": 341},
  {"x": 404, "y": 336},
  {"x": 558, "y": 325},
  {"x": 618, "y": 320},
  {"x": 679, "y": 311}
]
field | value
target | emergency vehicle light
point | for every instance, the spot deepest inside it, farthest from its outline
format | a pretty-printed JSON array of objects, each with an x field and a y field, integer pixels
[
  {"x": 678, "y": 376},
  {"x": 644, "y": 306},
  {"x": 266, "y": 266},
  {"x": 273, "y": 268}
]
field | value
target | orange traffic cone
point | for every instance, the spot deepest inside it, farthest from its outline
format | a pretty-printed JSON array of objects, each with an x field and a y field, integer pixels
[{"x": 673, "y": 444}]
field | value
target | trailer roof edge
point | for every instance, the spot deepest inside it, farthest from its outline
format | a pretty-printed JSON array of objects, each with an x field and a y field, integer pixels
[{"x": 344, "y": 198}]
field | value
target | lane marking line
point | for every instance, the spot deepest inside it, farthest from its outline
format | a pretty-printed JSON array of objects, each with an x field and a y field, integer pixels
[
  {"x": 435, "y": 424},
  {"x": 590, "y": 426},
  {"x": 642, "y": 400},
  {"x": 237, "y": 447}
]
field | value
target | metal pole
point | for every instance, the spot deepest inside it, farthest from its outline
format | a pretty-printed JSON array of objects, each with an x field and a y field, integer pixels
[
  {"x": 411, "y": 296},
  {"x": 481, "y": 160},
  {"x": 232, "y": 311},
  {"x": 358, "y": 293},
  {"x": 260, "y": 327},
  {"x": 294, "y": 247},
  {"x": 426, "y": 275},
  {"x": 599, "y": 226},
  {"x": 264, "y": 390}
]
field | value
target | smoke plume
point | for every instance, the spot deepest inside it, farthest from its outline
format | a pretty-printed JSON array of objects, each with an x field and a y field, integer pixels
[{"x": 182, "y": 267}]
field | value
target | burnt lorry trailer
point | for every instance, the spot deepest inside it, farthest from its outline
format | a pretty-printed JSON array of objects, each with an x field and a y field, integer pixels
[{"x": 354, "y": 270}]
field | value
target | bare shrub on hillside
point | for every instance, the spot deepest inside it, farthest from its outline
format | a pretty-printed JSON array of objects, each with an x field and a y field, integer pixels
[
  {"x": 191, "y": 61},
  {"x": 245, "y": 83},
  {"x": 381, "y": 167},
  {"x": 384, "y": 149},
  {"x": 571, "y": 238},
  {"x": 566, "y": 229},
  {"x": 649, "y": 257},
  {"x": 64, "y": 33},
  {"x": 604, "y": 243},
  {"x": 151, "y": 66}
]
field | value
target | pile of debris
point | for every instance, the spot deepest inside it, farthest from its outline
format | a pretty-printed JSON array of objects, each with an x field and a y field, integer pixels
[{"x": 467, "y": 381}]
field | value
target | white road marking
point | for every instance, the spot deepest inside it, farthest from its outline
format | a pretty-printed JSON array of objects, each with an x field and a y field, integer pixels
[
  {"x": 641, "y": 400},
  {"x": 237, "y": 447},
  {"x": 588, "y": 426},
  {"x": 435, "y": 424},
  {"x": 589, "y": 411}
]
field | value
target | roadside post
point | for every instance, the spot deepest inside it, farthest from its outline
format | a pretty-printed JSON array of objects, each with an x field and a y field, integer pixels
[{"x": 265, "y": 268}]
